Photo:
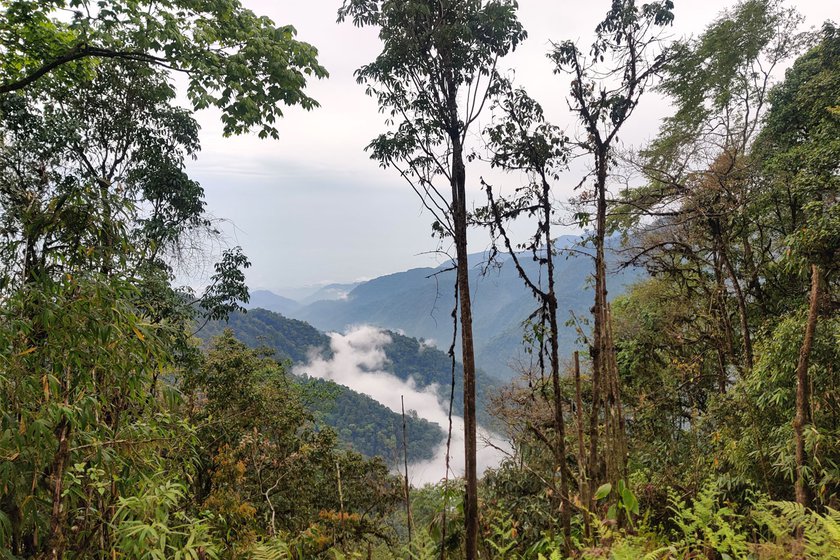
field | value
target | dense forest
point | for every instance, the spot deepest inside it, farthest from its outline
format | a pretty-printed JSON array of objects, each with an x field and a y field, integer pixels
[{"x": 698, "y": 418}]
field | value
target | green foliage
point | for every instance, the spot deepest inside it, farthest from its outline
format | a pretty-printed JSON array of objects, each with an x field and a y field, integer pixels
[
  {"x": 422, "y": 547},
  {"x": 265, "y": 468},
  {"x": 766, "y": 399},
  {"x": 234, "y": 60},
  {"x": 151, "y": 525},
  {"x": 120, "y": 438},
  {"x": 368, "y": 427},
  {"x": 81, "y": 408},
  {"x": 820, "y": 532},
  {"x": 723, "y": 72}
]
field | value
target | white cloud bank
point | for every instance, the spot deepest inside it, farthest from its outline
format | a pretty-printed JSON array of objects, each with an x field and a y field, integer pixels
[{"x": 358, "y": 362}]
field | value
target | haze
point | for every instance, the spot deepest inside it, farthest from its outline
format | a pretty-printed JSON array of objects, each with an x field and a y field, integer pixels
[{"x": 311, "y": 208}]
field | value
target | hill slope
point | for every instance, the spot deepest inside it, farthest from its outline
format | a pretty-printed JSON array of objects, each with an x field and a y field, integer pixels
[
  {"x": 362, "y": 422},
  {"x": 264, "y": 299},
  {"x": 289, "y": 338}
]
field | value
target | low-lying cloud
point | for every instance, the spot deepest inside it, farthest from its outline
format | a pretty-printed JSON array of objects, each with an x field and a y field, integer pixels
[{"x": 359, "y": 361}]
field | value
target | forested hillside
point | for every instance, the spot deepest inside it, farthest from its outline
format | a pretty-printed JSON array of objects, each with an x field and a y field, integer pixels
[
  {"x": 288, "y": 338},
  {"x": 360, "y": 422},
  {"x": 407, "y": 358},
  {"x": 688, "y": 407},
  {"x": 369, "y": 427}
]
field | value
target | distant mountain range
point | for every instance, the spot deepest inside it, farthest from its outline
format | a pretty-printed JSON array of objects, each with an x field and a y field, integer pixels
[
  {"x": 418, "y": 303},
  {"x": 263, "y": 299},
  {"x": 295, "y": 298}
]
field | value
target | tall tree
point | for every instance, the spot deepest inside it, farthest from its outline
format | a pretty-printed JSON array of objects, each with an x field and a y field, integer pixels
[
  {"x": 435, "y": 74},
  {"x": 93, "y": 197},
  {"x": 606, "y": 87},
  {"x": 94, "y": 202},
  {"x": 523, "y": 142}
]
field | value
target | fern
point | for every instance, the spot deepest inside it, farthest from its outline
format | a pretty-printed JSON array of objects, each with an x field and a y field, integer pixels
[
  {"x": 423, "y": 547},
  {"x": 820, "y": 532},
  {"x": 708, "y": 526},
  {"x": 275, "y": 549}
]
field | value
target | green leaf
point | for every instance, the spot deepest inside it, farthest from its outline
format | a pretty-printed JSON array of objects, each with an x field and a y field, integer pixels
[
  {"x": 629, "y": 501},
  {"x": 603, "y": 491}
]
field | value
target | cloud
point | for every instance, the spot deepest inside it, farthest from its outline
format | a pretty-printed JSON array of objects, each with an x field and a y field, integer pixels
[{"x": 359, "y": 362}]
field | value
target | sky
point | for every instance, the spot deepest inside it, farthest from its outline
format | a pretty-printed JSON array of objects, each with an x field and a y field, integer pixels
[{"x": 311, "y": 208}]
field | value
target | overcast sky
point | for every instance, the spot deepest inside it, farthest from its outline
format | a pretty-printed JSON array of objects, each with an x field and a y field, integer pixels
[{"x": 312, "y": 208}]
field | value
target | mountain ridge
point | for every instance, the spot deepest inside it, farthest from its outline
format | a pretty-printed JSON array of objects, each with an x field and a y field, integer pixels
[{"x": 418, "y": 302}]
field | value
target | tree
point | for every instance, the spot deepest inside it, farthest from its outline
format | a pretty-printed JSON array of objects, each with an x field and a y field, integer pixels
[
  {"x": 266, "y": 468},
  {"x": 801, "y": 150},
  {"x": 701, "y": 177},
  {"x": 95, "y": 204},
  {"x": 524, "y": 142},
  {"x": 232, "y": 58},
  {"x": 436, "y": 72},
  {"x": 737, "y": 217},
  {"x": 83, "y": 424},
  {"x": 605, "y": 90},
  {"x": 92, "y": 177}
]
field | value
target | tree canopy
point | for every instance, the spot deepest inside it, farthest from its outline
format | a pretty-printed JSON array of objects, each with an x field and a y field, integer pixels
[{"x": 233, "y": 59}]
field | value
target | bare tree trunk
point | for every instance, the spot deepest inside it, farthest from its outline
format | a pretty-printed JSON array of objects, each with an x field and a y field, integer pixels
[
  {"x": 605, "y": 374},
  {"x": 597, "y": 347},
  {"x": 405, "y": 458},
  {"x": 742, "y": 306},
  {"x": 802, "y": 389},
  {"x": 459, "y": 214},
  {"x": 726, "y": 346},
  {"x": 559, "y": 421},
  {"x": 582, "y": 471}
]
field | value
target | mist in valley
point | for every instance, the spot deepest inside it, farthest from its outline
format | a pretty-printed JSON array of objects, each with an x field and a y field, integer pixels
[{"x": 359, "y": 362}]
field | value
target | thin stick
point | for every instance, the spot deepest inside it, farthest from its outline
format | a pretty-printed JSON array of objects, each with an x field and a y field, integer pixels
[
  {"x": 340, "y": 499},
  {"x": 405, "y": 457}
]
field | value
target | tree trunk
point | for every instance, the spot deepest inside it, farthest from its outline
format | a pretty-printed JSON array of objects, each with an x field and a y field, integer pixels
[
  {"x": 742, "y": 306},
  {"x": 802, "y": 393},
  {"x": 605, "y": 375},
  {"x": 57, "y": 539},
  {"x": 596, "y": 348},
  {"x": 582, "y": 471},
  {"x": 408, "y": 520},
  {"x": 459, "y": 214},
  {"x": 559, "y": 421}
]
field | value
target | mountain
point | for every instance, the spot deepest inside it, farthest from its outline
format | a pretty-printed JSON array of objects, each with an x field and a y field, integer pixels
[
  {"x": 367, "y": 426},
  {"x": 418, "y": 302},
  {"x": 289, "y": 338},
  {"x": 361, "y": 422},
  {"x": 268, "y": 300},
  {"x": 406, "y": 357},
  {"x": 329, "y": 292}
]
